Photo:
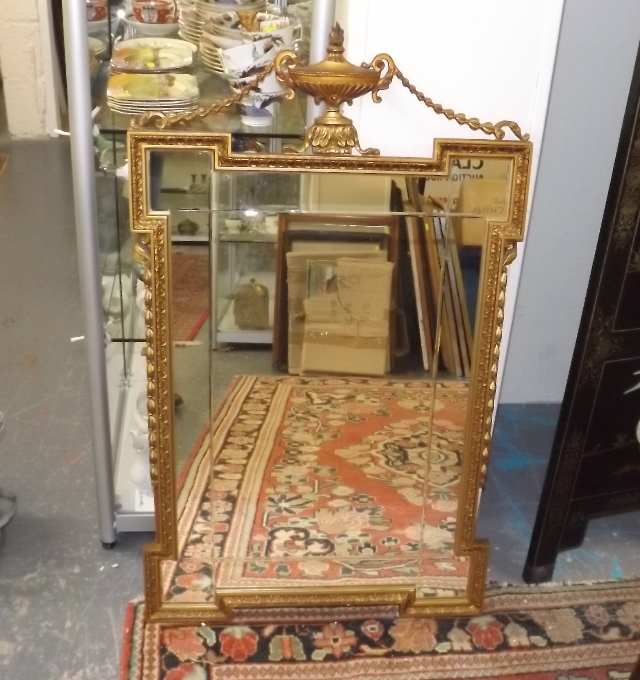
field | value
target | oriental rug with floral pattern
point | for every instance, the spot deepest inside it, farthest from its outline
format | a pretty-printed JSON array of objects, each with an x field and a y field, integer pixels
[
  {"x": 190, "y": 292},
  {"x": 588, "y": 632},
  {"x": 324, "y": 480}
]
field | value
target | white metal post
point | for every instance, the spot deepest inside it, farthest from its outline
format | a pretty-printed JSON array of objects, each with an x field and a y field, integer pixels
[
  {"x": 323, "y": 16},
  {"x": 82, "y": 156}
]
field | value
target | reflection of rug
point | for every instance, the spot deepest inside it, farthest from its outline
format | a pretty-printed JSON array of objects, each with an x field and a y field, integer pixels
[
  {"x": 3, "y": 162},
  {"x": 190, "y": 295},
  {"x": 537, "y": 633},
  {"x": 322, "y": 480}
]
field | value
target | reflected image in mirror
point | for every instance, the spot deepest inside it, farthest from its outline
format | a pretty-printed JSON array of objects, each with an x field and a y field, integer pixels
[
  {"x": 181, "y": 188},
  {"x": 330, "y": 378}
]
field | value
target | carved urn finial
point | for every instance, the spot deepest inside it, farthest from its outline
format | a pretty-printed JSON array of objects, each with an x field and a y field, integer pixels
[
  {"x": 335, "y": 82},
  {"x": 335, "y": 50}
]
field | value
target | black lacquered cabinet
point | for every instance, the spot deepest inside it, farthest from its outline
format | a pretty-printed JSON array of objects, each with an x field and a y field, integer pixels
[{"x": 595, "y": 461}]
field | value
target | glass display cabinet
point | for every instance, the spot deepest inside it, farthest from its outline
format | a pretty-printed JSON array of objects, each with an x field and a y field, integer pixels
[
  {"x": 245, "y": 243},
  {"x": 244, "y": 225}
]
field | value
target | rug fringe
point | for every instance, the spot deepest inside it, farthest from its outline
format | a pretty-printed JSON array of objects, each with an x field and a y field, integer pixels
[
  {"x": 560, "y": 584},
  {"x": 125, "y": 655}
]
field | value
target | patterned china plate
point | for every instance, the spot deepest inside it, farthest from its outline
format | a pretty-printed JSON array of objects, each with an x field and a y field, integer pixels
[
  {"x": 144, "y": 87},
  {"x": 152, "y": 54}
]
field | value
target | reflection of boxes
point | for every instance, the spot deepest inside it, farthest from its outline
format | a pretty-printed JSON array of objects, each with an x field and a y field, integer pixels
[
  {"x": 446, "y": 190},
  {"x": 349, "y": 194},
  {"x": 486, "y": 198},
  {"x": 347, "y": 331},
  {"x": 297, "y": 283},
  {"x": 334, "y": 348}
]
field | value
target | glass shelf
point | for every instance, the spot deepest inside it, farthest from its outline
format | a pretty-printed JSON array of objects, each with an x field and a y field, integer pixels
[
  {"x": 248, "y": 237},
  {"x": 288, "y": 120}
]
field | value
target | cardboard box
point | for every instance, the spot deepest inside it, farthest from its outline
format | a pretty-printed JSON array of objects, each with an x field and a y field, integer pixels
[
  {"x": 347, "y": 331},
  {"x": 297, "y": 286}
]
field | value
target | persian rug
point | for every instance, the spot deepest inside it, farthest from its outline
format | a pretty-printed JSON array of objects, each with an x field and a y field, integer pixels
[
  {"x": 190, "y": 295},
  {"x": 323, "y": 481},
  {"x": 579, "y": 632}
]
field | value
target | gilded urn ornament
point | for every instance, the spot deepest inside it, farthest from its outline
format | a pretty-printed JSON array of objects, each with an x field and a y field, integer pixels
[{"x": 335, "y": 82}]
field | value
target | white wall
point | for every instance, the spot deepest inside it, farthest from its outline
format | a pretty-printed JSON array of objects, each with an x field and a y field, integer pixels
[
  {"x": 596, "y": 54},
  {"x": 492, "y": 60},
  {"x": 26, "y": 56},
  {"x": 480, "y": 58}
]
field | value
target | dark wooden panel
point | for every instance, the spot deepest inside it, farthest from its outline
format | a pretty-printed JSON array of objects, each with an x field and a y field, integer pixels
[{"x": 594, "y": 468}]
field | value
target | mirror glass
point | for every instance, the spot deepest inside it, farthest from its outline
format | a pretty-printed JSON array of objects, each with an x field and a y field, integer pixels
[{"x": 323, "y": 333}]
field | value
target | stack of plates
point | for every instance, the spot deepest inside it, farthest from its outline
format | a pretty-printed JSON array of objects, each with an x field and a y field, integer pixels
[
  {"x": 152, "y": 55},
  {"x": 194, "y": 13},
  {"x": 94, "y": 64},
  {"x": 210, "y": 56},
  {"x": 228, "y": 49},
  {"x": 190, "y": 24},
  {"x": 226, "y": 25},
  {"x": 136, "y": 93},
  {"x": 189, "y": 21},
  {"x": 208, "y": 8}
]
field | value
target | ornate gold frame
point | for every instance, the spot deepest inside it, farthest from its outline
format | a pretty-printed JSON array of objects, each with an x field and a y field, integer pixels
[{"x": 152, "y": 237}]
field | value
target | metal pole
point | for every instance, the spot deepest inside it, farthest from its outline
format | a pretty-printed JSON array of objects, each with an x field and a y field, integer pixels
[
  {"x": 82, "y": 156},
  {"x": 322, "y": 18}
]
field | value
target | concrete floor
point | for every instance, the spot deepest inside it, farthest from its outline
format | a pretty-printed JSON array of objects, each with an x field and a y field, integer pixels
[
  {"x": 61, "y": 595},
  {"x": 522, "y": 441}
]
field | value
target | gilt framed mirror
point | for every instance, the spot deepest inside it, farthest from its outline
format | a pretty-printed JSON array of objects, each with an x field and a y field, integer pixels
[{"x": 350, "y": 476}]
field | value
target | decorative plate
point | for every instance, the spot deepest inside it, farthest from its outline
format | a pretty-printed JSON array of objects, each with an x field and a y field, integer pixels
[{"x": 152, "y": 55}]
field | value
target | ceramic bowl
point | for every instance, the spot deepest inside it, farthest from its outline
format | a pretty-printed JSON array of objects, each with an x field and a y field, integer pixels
[
  {"x": 256, "y": 108},
  {"x": 154, "y": 11},
  {"x": 285, "y": 37},
  {"x": 97, "y": 10},
  {"x": 151, "y": 30},
  {"x": 270, "y": 85},
  {"x": 246, "y": 64},
  {"x": 219, "y": 41}
]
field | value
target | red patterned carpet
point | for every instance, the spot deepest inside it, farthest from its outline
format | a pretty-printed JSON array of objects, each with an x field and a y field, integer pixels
[
  {"x": 322, "y": 480},
  {"x": 190, "y": 290},
  {"x": 312, "y": 478},
  {"x": 537, "y": 633}
]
